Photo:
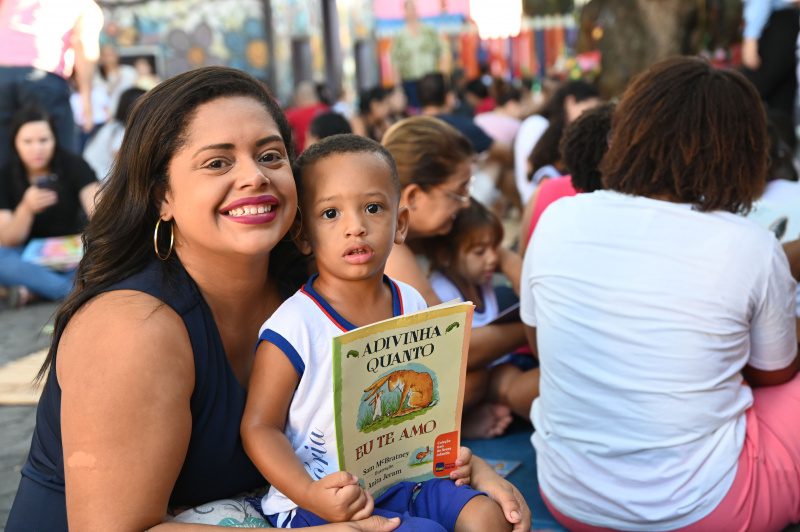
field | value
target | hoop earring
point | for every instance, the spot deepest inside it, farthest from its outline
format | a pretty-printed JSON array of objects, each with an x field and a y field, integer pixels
[{"x": 171, "y": 240}]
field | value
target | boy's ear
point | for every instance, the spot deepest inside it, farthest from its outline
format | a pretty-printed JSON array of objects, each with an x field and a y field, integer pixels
[
  {"x": 299, "y": 237},
  {"x": 402, "y": 225}
]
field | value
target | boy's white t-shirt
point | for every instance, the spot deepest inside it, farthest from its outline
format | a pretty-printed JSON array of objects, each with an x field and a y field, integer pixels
[
  {"x": 448, "y": 291},
  {"x": 303, "y": 328},
  {"x": 645, "y": 313}
]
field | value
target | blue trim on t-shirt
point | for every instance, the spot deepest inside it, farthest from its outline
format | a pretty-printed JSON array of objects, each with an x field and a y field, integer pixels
[
  {"x": 288, "y": 349},
  {"x": 397, "y": 298},
  {"x": 338, "y": 319}
]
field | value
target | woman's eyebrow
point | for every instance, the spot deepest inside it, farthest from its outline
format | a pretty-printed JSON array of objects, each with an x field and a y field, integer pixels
[
  {"x": 224, "y": 146},
  {"x": 230, "y": 146},
  {"x": 267, "y": 140}
]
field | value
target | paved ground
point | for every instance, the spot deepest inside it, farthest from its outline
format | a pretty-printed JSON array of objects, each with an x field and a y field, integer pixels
[{"x": 20, "y": 335}]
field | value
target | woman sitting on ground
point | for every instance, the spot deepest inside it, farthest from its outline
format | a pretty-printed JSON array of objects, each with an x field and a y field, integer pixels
[
  {"x": 665, "y": 325},
  {"x": 45, "y": 191}
]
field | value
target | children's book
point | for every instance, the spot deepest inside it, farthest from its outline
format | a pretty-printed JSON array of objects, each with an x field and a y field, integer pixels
[
  {"x": 57, "y": 252},
  {"x": 398, "y": 389}
]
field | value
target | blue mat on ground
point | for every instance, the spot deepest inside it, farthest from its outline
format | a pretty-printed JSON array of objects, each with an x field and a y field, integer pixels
[{"x": 516, "y": 445}]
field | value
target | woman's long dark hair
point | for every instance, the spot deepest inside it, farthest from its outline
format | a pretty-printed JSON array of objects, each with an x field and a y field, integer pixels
[{"x": 118, "y": 241}]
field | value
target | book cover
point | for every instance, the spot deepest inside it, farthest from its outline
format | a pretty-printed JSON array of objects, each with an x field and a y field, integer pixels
[
  {"x": 398, "y": 389},
  {"x": 57, "y": 252}
]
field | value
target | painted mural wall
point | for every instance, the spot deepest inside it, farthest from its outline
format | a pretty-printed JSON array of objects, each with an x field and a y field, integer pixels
[
  {"x": 192, "y": 33},
  {"x": 186, "y": 34}
]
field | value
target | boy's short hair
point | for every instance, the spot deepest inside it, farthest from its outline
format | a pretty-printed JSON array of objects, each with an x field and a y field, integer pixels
[{"x": 337, "y": 145}]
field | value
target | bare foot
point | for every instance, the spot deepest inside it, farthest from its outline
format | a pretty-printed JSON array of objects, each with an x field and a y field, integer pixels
[{"x": 485, "y": 421}]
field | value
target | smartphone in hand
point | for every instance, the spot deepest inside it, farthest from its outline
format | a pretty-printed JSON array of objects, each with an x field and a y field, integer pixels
[{"x": 47, "y": 181}]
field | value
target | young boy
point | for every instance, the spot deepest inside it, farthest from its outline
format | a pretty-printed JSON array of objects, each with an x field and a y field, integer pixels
[{"x": 349, "y": 193}]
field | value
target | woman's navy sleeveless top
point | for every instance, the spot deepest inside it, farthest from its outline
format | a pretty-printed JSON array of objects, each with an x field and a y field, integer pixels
[{"x": 216, "y": 465}]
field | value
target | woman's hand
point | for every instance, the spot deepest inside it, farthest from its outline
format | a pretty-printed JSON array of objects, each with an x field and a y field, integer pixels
[
  {"x": 338, "y": 497},
  {"x": 37, "y": 199},
  {"x": 463, "y": 472},
  {"x": 516, "y": 510}
]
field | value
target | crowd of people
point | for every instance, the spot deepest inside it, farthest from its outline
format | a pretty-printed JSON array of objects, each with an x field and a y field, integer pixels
[{"x": 656, "y": 266}]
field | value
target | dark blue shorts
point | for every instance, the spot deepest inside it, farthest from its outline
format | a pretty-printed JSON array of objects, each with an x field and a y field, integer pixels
[{"x": 431, "y": 506}]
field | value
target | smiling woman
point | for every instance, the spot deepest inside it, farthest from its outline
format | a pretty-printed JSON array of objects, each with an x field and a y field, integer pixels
[
  {"x": 233, "y": 180},
  {"x": 145, "y": 379}
]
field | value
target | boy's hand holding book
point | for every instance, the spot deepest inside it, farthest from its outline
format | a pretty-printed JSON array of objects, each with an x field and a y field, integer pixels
[
  {"x": 338, "y": 497},
  {"x": 462, "y": 474}
]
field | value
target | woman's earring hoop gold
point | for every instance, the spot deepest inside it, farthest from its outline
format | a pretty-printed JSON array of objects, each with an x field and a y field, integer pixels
[{"x": 171, "y": 240}]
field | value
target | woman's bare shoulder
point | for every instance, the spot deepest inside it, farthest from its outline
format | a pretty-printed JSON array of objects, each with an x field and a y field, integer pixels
[{"x": 124, "y": 330}]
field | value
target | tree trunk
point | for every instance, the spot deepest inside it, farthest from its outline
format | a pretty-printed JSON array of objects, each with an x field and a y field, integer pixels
[{"x": 633, "y": 34}]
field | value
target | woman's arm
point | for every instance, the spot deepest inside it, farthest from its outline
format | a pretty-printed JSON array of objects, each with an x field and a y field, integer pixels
[
  {"x": 759, "y": 377},
  {"x": 336, "y": 497},
  {"x": 15, "y": 226},
  {"x": 126, "y": 371},
  {"x": 792, "y": 250},
  {"x": 87, "y": 197},
  {"x": 491, "y": 341},
  {"x": 402, "y": 266}
]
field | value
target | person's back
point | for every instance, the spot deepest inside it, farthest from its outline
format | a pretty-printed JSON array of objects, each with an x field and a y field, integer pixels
[
  {"x": 501, "y": 128},
  {"x": 33, "y": 35},
  {"x": 665, "y": 306},
  {"x": 664, "y": 322},
  {"x": 41, "y": 44},
  {"x": 503, "y": 122}
]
